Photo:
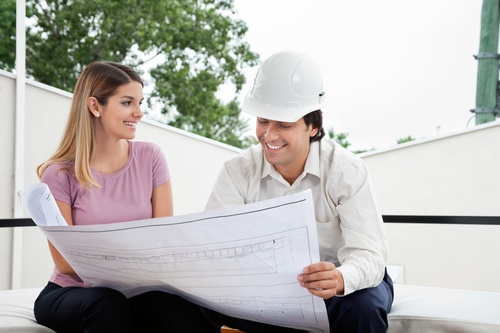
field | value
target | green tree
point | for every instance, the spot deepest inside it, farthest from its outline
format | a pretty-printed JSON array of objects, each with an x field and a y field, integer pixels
[
  {"x": 340, "y": 138},
  {"x": 7, "y": 34},
  {"x": 190, "y": 48},
  {"x": 407, "y": 139}
]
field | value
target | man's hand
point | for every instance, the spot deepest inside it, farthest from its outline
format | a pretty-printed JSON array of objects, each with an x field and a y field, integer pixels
[{"x": 322, "y": 279}]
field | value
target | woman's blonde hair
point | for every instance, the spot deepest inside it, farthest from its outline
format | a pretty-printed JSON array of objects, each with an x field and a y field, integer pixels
[{"x": 99, "y": 80}]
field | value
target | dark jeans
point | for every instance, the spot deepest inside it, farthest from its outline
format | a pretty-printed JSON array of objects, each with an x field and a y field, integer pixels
[
  {"x": 75, "y": 309},
  {"x": 364, "y": 311}
]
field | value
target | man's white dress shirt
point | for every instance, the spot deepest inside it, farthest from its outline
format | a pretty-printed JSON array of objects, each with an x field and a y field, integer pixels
[{"x": 351, "y": 233}]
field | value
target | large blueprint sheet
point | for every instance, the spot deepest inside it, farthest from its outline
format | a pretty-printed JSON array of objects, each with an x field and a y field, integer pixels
[{"x": 241, "y": 261}]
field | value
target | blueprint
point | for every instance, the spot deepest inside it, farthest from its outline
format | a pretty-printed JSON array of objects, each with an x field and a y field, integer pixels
[{"x": 241, "y": 261}]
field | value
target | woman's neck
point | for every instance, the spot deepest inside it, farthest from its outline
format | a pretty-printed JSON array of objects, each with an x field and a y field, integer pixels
[{"x": 110, "y": 157}]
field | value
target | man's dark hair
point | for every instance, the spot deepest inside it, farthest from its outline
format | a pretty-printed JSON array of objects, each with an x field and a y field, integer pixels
[{"x": 316, "y": 119}]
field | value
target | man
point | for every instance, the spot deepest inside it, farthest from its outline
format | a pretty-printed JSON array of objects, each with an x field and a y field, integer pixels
[{"x": 287, "y": 98}]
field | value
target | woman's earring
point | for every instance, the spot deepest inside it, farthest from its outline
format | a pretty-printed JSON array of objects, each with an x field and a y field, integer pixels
[{"x": 97, "y": 114}]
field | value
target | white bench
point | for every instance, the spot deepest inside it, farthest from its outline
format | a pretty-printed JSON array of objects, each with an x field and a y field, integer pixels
[
  {"x": 415, "y": 309},
  {"x": 441, "y": 310},
  {"x": 16, "y": 311}
]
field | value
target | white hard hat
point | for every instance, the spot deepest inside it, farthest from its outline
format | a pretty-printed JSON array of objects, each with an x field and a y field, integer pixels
[{"x": 287, "y": 86}]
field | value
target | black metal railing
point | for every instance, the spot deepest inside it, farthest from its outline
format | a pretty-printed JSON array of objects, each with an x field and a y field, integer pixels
[
  {"x": 417, "y": 219},
  {"x": 442, "y": 219},
  {"x": 17, "y": 222}
]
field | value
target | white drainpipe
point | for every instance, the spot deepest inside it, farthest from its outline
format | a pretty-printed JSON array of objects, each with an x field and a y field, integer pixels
[{"x": 17, "y": 235}]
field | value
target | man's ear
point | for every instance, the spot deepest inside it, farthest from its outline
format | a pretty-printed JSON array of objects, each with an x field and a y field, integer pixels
[
  {"x": 314, "y": 131},
  {"x": 94, "y": 106}
]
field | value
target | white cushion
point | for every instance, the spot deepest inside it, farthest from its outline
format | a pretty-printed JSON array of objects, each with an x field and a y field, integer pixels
[
  {"x": 432, "y": 310},
  {"x": 415, "y": 309},
  {"x": 16, "y": 311}
]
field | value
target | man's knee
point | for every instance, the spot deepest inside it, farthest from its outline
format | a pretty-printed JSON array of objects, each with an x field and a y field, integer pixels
[{"x": 362, "y": 311}]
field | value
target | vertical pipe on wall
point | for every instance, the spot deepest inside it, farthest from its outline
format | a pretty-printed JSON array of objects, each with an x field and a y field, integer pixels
[
  {"x": 19, "y": 141},
  {"x": 487, "y": 65}
]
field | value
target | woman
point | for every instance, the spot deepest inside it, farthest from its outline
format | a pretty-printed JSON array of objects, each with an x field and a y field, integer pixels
[{"x": 98, "y": 175}]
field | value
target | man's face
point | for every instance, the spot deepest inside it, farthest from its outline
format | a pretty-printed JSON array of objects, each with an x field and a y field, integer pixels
[{"x": 285, "y": 145}]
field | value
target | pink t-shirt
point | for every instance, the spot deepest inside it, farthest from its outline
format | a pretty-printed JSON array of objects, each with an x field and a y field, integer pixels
[{"x": 123, "y": 196}]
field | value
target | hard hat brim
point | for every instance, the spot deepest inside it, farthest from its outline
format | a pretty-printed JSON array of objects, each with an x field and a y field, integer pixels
[{"x": 270, "y": 112}]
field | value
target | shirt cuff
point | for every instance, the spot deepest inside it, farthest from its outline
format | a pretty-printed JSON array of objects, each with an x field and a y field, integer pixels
[{"x": 351, "y": 279}]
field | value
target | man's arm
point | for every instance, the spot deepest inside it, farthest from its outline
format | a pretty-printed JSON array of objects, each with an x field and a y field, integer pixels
[
  {"x": 364, "y": 254},
  {"x": 225, "y": 192}
]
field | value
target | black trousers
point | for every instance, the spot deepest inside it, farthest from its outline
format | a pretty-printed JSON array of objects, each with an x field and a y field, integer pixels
[
  {"x": 75, "y": 309},
  {"x": 364, "y": 311}
]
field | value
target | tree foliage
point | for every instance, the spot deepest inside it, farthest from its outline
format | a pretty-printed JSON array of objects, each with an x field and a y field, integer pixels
[
  {"x": 7, "y": 34},
  {"x": 190, "y": 48},
  {"x": 341, "y": 139},
  {"x": 409, "y": 138}
]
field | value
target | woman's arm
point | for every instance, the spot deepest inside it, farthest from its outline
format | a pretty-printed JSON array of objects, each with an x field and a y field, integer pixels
[
  {"x": 161, "y": 200},
  {"x": 61, "y": 263}
]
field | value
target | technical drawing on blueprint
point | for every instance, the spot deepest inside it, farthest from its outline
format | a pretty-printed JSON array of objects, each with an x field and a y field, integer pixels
[{"x": 241, "y": 261}]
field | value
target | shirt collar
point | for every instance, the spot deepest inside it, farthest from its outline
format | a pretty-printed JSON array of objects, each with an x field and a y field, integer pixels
[
  {"x": 267, "y": 168},
  {"x": 312, "y": 163},
  {"x": 313, "y": 159}
]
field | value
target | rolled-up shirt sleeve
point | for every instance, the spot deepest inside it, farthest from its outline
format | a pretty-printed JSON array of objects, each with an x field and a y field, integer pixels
[{"x": 364, "y": 253}]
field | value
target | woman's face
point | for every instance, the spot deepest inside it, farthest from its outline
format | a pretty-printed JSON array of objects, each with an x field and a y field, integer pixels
[{"x": 119, "y": 117}]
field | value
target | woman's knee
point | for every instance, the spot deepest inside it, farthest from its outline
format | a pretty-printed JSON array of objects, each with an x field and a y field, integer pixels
[
  {"x": 107, "y": 299},
  {"x": 69, "y": 309},
  {"x": 106, "y": 310}
]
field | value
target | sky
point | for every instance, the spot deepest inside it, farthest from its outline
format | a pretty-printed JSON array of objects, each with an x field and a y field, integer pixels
[{"x": 391, "y": 68}]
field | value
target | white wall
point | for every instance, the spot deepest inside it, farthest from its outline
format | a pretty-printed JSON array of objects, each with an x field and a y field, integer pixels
[
  {"x": 456, "y": 174},
  {"x": 7, "y": 86},
  {"x": 7, "y": 97},
  {"x": 451, "y": 175},
  {"x": 452, "y": 256}
]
